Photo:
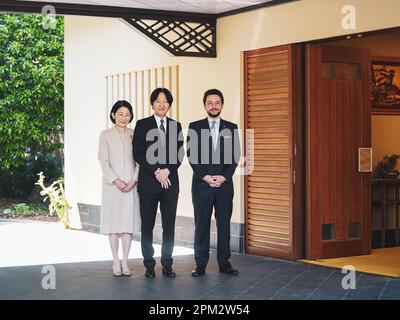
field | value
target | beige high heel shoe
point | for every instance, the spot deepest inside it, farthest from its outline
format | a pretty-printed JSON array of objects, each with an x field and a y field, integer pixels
[
  {"x": 126, "y": 271},
  {"x": 117, "y": 270}
]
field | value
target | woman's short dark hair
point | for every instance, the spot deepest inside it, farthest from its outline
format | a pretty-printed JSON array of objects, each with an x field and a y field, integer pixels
[
  {"x": 156, "y": 93},
  {"x": 209, "y": 92},
  {"x": 120, "y": 104}
]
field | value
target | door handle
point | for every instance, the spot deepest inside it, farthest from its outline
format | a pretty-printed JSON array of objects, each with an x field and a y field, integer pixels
[{"x": 364, "y": 159}]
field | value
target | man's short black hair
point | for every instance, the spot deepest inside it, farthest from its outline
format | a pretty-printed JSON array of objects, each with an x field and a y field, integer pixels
[
  {"x": 156, "y": 93},
  {"x": 209, "y": 92},
  {"x": 120, "y": 104}
]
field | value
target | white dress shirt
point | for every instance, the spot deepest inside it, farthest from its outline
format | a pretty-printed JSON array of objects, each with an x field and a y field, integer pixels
[
  {"x": 158, "y": 120},
  {"x": 215, "y": 132}
]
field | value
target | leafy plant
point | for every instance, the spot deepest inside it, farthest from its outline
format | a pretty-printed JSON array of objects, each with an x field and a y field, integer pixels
[
  {"x": 39, "y": 209},
  {"x": 58, "y": 202},
  {"x": 20, "y": 183},
  {"x": 8, "y": 211},
  {"x": 25, "y": 209},
  {"x": 387, "y": 168},
  {"x": 22, "y": 208},
  {"x": 31, "y": 100}
]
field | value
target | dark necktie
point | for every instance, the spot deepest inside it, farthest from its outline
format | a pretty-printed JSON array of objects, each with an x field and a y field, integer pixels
[{"x": 162, "y": 133}]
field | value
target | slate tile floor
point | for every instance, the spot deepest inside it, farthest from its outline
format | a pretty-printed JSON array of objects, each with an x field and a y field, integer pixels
[{"x": 260, "y": 279}]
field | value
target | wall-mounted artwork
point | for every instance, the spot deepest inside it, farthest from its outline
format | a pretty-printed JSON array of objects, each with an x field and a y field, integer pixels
[{"x": 385, "y": 85}]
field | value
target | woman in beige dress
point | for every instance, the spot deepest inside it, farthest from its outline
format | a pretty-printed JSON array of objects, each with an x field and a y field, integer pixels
[{"x": 119, "y": 204}]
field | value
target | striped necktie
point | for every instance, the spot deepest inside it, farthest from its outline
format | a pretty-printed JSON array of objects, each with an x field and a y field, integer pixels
[
  {"x": 214, "y": 133},
  {"x": 161, "y": 130}
]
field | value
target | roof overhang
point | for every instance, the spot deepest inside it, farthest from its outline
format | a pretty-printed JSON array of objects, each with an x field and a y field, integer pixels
[{"x": 180, "y": 32}]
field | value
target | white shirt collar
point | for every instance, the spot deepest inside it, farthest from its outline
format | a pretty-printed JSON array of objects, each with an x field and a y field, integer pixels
[
  {"x": 217, "y": 121},
  {"x": 158, "y": 120}
]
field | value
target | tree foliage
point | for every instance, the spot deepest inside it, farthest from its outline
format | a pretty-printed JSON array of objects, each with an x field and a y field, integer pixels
[{"x": 31, "y": 100}]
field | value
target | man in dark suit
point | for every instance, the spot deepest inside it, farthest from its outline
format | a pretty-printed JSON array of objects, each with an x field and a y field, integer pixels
[
  {"x": 157, "y": 147},
  {"x": 214, "y": 153}
]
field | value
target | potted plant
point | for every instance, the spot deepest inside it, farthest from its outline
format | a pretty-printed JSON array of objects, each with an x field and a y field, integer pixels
[{"x": 386, "y": 169}]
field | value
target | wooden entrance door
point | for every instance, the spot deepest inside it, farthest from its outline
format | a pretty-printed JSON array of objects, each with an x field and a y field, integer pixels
[
  {"x": 273, "y": 190},
  {"x": 338, "y": 205}
]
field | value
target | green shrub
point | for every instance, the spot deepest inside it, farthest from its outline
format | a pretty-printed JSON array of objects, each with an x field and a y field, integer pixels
[
  {"x": 22, "y": 208},
  {"x": 39, "y": 209},
  {"x": 31, "y": 102},
  {"x": 8, "y": 211},
  {"x": 19, "y": 183},
  {"x": 26, "y": 209}
]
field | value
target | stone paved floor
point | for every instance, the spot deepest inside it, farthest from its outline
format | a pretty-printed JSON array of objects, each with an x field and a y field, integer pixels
[{"x": 260, "y": 278}]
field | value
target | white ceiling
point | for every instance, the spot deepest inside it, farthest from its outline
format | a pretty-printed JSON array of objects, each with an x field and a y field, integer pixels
[{"x": 200, "y": 6}]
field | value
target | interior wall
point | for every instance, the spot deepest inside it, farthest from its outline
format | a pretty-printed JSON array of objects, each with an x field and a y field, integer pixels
[{"x": 385, "y": 137}]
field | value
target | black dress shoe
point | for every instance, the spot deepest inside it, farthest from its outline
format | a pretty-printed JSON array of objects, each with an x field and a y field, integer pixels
[
  {"x": 198, "y": 272},
  {"x": 150, "y": 273},
  {"x": 229, "y": 270},
  {"x": 168, "y": 272}
]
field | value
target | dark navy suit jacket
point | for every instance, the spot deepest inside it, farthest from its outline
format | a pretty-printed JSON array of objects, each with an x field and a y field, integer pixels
[
  {"x": 169, "y": 157},
  {"x": 205, "y": 160}
]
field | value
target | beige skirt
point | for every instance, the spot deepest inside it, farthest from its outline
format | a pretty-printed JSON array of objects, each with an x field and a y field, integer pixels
[{"x": 120, "y": 211}]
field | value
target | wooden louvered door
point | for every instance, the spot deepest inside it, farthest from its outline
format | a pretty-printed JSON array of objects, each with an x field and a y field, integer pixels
[
  {"x": 273, "y": 116},
  {"x": 339, "y": 123}
]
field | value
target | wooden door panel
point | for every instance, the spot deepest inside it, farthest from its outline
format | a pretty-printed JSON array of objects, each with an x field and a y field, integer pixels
[
  {"x": 338, "y": 123},
  {"x": 272, "y": 110}
]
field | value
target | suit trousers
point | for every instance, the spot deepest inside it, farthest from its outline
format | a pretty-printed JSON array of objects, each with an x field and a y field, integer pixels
[
  {"x": 148, "y": 211},
  {"x": 204, "y": 202}
]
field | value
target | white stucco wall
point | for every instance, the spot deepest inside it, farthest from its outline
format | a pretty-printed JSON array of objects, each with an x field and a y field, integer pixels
[{"x": 96, "y": 47}]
